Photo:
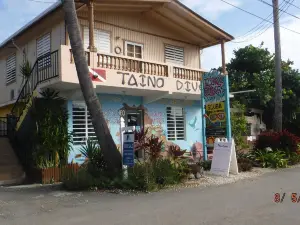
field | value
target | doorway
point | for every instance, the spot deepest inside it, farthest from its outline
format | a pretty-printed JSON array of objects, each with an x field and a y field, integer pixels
[{"x": 133, "y": 120}]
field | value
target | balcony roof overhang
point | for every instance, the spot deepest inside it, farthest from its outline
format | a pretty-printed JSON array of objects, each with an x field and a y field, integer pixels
[{"x": 172, "y": 13}]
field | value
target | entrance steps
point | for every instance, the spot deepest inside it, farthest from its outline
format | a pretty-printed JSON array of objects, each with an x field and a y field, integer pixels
[{"x": 11, "y": 171}]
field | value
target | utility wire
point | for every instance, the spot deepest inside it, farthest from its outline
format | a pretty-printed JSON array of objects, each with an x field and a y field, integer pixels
[
  {"x": 250, "y": 13},
  {"x": 259, "y": 26},
  {"x": 266, "y": 27},
  {"x": 293, "y": 5},
  {"x": 267, "y": 3}
]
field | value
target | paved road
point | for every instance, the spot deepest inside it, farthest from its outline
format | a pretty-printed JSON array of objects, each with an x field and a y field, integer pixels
[{"x": 246, "y": 202}]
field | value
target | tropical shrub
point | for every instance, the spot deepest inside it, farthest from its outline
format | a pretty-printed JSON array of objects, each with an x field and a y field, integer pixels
[
  {"x": 206, "y": 165},
  {"x": 238, "y": 124},
  {"x": 269, "y": 158},
  {"x": 51, "y": 140},
  {"x": 284, "y": 140},
  {"x": 96, "y": 165},
  {"x": 80, "y": 181}
]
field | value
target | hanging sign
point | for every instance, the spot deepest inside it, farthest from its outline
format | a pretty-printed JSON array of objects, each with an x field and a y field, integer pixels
[
  {"x": 214, "y": 87},
  {"x": 217, "y": 117},
  {"x": 212, "y": 107},
  {"x": 224, "y": 159},
  {"x": 128, "y": 149}
]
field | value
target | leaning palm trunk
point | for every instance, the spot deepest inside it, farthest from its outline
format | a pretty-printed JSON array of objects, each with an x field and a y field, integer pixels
[{"x": 110, "y": 152}]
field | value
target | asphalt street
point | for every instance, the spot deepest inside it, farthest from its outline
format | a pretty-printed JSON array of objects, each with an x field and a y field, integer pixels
[{"x": 245, "y": 202}]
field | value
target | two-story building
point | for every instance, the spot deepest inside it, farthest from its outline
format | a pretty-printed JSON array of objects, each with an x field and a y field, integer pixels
[{"x": 146, "y": 55}]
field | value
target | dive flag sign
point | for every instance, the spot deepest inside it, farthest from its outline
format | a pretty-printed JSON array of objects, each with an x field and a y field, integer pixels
[{"x": 128, "y": 149}]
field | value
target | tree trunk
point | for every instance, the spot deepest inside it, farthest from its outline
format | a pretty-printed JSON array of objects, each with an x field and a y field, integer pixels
[{"x": 107, "y": 144}]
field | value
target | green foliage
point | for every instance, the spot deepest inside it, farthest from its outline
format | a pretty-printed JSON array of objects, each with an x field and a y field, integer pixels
[
  {"x": 96, "y": 165},
  {"x": 253, "y": 68},
  {"x": 293, "y": 158},
  {"x": 244, "y": 162},
  {"x": 269, "y": 158},
  {"x": 51, "y": 140},
  {"x": 238, "y": 123},
  {"x": 206, "y": 165},
  {"x": 80, "y": 181}
]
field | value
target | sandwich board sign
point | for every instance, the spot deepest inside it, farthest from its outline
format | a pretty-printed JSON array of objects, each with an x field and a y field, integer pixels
[
  {"x": 224, "y": 160},
  {"x": 128, "y": 149}
]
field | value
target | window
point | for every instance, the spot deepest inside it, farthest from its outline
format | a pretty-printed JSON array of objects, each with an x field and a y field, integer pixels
[
  {"x": 134, "y": 50},
  {"x": 82, "y": 124},
  {"x": 11, "y": 69},
  {"x": 175, "y": 123},
  {"x": 43, "y": 48},
  {"x": 174, "y": 55},
  {"x": 102, "y": 40}
]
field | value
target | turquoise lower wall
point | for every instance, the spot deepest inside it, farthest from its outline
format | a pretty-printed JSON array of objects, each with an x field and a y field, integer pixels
[{"x": 155, "y": 118}]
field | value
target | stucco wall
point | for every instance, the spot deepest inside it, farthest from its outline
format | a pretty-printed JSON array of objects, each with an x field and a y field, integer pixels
[{"x": 155, "y": 118}]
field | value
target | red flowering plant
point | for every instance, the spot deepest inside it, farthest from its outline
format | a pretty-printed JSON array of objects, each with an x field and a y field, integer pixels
[{"x": 284, "y": 141}]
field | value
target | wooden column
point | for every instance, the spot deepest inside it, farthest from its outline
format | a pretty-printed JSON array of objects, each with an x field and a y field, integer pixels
[
  {"x": 92, "y": 46},
  {"x": 223, "y": 57}
]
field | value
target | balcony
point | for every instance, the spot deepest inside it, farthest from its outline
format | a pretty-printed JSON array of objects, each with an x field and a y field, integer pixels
[{"x": 134, "y": 76}]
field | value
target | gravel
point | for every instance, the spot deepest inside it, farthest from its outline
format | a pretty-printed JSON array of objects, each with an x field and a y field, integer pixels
[{"x": 209, "y": 179}]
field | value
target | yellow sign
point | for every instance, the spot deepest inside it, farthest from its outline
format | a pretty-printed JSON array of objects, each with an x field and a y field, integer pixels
[
  {"x": 218, "y": 106},
  {"x": 217, "y": 117}
]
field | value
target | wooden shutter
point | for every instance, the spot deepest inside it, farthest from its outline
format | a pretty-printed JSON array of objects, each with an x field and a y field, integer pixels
[
  {"x": 174, "y": 55},
  {"x": 102, "y": 40},
  {"x": 175, "y": 123},
  {"x": 11, "y": 65},
  {"x": 82, "y": 124},
  {"x": 43, "y": 45}
]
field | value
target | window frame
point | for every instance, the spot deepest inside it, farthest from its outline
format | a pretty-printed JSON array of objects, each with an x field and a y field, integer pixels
[
  {"x": 134, "y": 44},
  {"x": 46, "y": 57},
  {"x": 14, "y": 75},
  {"x": 175, "y": 138},
  {"x": 86, "y": 124}
]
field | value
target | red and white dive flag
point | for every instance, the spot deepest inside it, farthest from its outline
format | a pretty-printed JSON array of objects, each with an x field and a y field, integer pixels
[{"x": 97, "y": 75}]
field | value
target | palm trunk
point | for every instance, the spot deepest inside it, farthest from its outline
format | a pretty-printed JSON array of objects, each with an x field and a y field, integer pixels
[{"x": 107, "y": 144}]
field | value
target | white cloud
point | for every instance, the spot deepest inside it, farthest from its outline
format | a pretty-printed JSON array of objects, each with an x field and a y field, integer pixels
[
  {"x": 212, "y": 9},
  {"x": 211, "y": 57}
]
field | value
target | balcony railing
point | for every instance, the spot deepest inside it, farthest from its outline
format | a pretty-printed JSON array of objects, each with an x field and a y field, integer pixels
[{"x": 124, "y": 63}]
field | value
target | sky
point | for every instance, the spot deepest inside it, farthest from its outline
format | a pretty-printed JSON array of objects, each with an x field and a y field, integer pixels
[{"x": 16, "y": 13}]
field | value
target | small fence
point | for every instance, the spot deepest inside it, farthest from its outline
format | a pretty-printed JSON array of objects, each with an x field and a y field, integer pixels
[
  {"x": 3, "y": 126},
  {"x": 56, "y": 174}
]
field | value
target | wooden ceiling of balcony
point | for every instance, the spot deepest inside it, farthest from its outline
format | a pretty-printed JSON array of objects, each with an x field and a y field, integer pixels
[{"x": 172, "y": 14}]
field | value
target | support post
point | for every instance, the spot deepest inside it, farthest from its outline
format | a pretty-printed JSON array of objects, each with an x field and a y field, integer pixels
[
  {"x": 227, "y": 95},
  {"x": 92, "y": 46},
  {"x": 278, "y": 76},
  {"x": 204, "y": 145}
]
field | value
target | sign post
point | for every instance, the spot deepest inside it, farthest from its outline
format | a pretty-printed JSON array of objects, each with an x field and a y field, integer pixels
[{"x": 128, "y": 149}]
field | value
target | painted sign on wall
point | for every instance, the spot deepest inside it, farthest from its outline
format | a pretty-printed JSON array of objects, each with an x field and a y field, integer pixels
[{"x": 214, "y": 87}]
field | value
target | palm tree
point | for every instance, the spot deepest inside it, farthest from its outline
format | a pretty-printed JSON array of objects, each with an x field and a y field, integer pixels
[{"x": 106, "y": 142}]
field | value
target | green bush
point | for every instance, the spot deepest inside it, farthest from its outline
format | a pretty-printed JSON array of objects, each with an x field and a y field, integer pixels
[
  {"x": 293, "y": 158},
  {"x": 269, "y": 158},
  {"x": 244, "y": 164},
  {"x": 81, "y": 181},
  {"x": 206, "y": 165}
]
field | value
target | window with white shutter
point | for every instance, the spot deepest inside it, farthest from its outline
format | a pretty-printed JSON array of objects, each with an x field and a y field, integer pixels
[
  {"x": 11, "y": 66},
  {"x": 102, "y": 40},
  {"x": 43, "y": 48},
  {"x": 175, "y": 123},
  {"x": 82, "y": 124},
  {"x": 174, "y": 55}
]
